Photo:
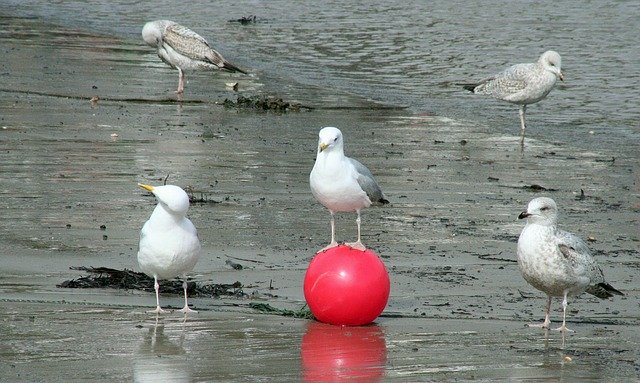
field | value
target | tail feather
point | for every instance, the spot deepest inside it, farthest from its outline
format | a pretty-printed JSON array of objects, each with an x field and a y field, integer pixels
[
  {"x": 603, "y": 290},
  {"x": 232, "y": 68},
  {"x": 379, "y": 201},
  {"x": 469, "y": 87}
]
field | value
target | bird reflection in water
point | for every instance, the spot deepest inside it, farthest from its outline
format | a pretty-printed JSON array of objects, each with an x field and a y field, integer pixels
[{"x": 161, "y": 360}]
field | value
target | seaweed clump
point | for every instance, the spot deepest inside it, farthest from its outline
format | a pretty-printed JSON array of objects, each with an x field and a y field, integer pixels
[
  {"x": 303, "y": 313},
  {"x": 268, "y": 103},
  {"x": 105, "y": 277},
  {"x": 244, "y": 20}
]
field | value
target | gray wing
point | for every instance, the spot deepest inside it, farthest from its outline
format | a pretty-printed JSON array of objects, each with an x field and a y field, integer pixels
[
  {"x": 369, "y": 184},
  {"x": 190, "y": 44},
  {"x": 577, "y": 253},
  {"x": 573, "y": 241},
  {"x": 513, "y": 80}
]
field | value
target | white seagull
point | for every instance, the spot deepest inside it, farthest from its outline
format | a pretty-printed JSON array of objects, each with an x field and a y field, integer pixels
[
  {"x": 341, "y": 183},
  {"x": 169, "y": 245},
  {"x": 183, "y": 49},
  {"x": 523, "y": 84},
  {"x": 556, "y": 262}
]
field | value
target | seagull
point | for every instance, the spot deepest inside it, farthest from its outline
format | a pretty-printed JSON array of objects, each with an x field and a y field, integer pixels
[
  {"x": 169, "y": 245},
  {"x": 556, "y": 262},
  {"x": 522, "y": 84},
  {"x": 341, "y": 183},
  {"x": 183, "y": 49}
]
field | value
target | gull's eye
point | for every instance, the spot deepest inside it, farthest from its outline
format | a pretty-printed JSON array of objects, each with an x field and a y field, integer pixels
[{"x": 544, "y": 208}]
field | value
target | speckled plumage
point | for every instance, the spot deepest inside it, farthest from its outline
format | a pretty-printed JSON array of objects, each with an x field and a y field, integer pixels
[
  {"x": 557, "y": 262},
  {"x": 183, "y": 49},
  {"x": 523, "y": 84},
  {"x": 341, "y": 183}
]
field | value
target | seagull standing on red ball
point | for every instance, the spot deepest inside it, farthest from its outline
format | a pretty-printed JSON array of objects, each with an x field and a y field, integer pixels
[{"x": 342, "y": 184}]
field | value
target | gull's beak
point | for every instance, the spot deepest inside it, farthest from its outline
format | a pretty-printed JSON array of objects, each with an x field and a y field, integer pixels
[
  {"x": 147, "y": 187},
  {"x": 323, "y": 146},
  {"x": 560, "y": 76},
  {"x": 524, "y": 214}
]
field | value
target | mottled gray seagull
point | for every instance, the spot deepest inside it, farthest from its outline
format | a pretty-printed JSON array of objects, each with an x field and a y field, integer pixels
[
  {"x": 556, "y": 262},
  {"x": 183, "y": 49},
  {"x": 522, "y": 84}
]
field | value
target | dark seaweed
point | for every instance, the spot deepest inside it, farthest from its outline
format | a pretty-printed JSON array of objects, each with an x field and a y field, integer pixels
[{"x": 105, "y": 277}]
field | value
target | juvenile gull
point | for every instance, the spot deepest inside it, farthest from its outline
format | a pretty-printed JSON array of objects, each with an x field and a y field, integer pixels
[
  {"x": 523, "y": 84},
  {"x": 169, "y": 245},
  {"x": 341, "y": 183},
  {"x": 556, "y": 262},
  {"x": 183, "y": 49}
]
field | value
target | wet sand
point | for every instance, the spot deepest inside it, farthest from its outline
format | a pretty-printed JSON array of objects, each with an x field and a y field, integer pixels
[
  {"x": 94, "y": 343},
  {"x": 458, "y": 304}
]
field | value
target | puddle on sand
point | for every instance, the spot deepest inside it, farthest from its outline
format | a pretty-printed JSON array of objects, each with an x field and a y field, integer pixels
[{"x": 114, "y": 344}]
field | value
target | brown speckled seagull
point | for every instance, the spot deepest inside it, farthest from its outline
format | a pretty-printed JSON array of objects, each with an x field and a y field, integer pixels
[
  {"x": 557, "y": 262},
  {"x": 183, "y": 49},
  {"x": 522, "y": 84}
]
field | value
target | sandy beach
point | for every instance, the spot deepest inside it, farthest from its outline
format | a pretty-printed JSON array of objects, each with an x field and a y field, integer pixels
[{"x": 458, "y": 305}]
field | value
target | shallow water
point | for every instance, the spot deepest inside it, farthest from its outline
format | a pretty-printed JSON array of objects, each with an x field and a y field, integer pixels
[
  {"x": 411, "y": 54},
  {"x": 449, "y": 162},
  {"x": 110, "y": 344}
]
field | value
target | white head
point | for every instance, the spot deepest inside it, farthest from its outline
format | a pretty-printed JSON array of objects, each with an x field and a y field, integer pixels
[
  {"x": 171, "y": 197},
  {"x": 330, "y": 139},
  {"x": 542, "y": 210},
  {"x": 153, "y": 30},
  {"x": 552, "y": 62}
]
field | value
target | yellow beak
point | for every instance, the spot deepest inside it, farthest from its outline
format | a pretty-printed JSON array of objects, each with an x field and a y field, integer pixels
[
  {"x": 561, "y": 76},
  {"x": 323, "y": 146},
  {"x": 147, "y": 187}
]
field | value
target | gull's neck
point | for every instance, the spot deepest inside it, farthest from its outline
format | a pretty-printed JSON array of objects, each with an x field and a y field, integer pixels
[
  {"x": 545, "y": 227},
  {"x": 334, "y": 152},
  {"x": 163, "y": 214},
  {"x": 330, "y": 159}
]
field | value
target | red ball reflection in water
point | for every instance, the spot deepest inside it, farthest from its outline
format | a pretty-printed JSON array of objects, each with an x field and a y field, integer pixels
[
  {"x": 338, "y": 353},
  {"x": 344, "y": 286}
]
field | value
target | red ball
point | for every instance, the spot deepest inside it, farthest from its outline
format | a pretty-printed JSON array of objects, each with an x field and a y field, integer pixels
[
  {"x": 337, "y": 353},
  {"x": 346, "y": 287}
]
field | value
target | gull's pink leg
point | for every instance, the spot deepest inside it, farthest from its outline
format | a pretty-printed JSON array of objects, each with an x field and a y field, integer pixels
[
  {"x": 547, "y": 320},
  {"x": 180, "y": 82},
  {"x": 156, "y": 285},
  {"x": 186, "y": 308},
  {"x": 357, "y": 244},
  {"x": 333, "y": 234},
  {"x": 564, "y": 328},
  {"x": 523, "y": 109}
]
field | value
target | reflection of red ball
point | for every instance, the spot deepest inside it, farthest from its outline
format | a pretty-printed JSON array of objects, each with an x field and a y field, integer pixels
[
  {"x": 344, "y": 286},
  {"x": 337, "y": 354}
]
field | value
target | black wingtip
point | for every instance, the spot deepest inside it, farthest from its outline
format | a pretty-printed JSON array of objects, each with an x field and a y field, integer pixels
[
  {"x": 610, "y": 289},
  {"x": 383, "y": 201},
  {"x": 603, "y": 290},
  {"x": 470, "y": 87},
  {"x": 232, "y": 68}
]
